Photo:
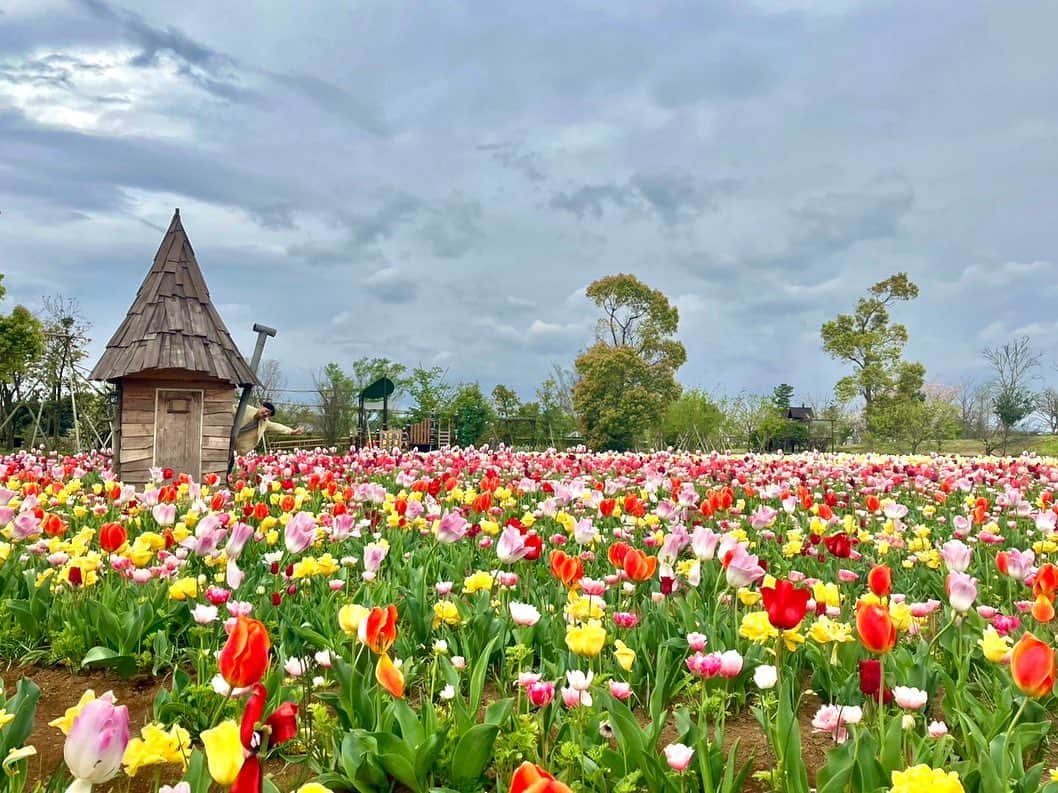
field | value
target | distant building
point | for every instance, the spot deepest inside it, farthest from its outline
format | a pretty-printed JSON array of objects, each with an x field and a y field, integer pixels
[{"x": 800, "y": 414}]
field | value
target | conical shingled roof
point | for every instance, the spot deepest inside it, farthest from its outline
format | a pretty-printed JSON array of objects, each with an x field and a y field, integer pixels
[{"x": 172, "y": 323}]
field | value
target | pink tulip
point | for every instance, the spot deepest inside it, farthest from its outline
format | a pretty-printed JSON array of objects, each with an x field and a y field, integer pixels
[
  {"x": 956, "y": 555},
  {"x": 541, "y": 693},
  {"x": 962, "y": 591},
  {"x": 511, "y": 546},
  {"x": 697, "y": 641},
  {"x": 730, "y": 663},
  {"x": 96, "y": 743},
  {"x": 742, "y": 568},
  {"x": 452, "y": 528},
  {"x": 524, "y": 614},
  {"x": 909, "y": 698},
  {"x": 620, "y": 690},
  {"x": 937, "y": 729},
  {"x": 300, "y": 532},
  {"x": 678, "y": 756}
]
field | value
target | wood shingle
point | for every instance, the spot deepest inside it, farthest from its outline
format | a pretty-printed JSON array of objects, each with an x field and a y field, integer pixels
[{"x": 172, "y": 324}]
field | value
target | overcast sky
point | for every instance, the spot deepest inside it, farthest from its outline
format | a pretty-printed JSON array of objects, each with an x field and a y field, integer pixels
[{"x": 437, "y": 181}]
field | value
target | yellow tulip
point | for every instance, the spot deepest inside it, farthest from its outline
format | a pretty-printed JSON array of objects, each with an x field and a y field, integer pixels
[
  {"x": 350, "y": 616},
  {"x": 65, "y": 722},
  {"x": 995, "y": 647},
  {"x": 757, "y": 627},
  {"x": 624, "y": 654},
  {"x": 223, "y": 752},
  {"x": 587, "y": 639},
  {"x": 183, "y": 588},
  {"x": 923, "y": 779},
  {"x": 445, "y": 611},
  {"x": 157, "y": 746}
]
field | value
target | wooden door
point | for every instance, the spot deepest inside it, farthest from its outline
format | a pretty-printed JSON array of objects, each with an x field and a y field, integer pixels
[{"x": 178, "y": 430}]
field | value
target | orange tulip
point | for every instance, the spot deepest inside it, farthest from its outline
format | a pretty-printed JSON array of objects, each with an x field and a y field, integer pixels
[
  {"x": 1045, "y": 582},
  {"x": 1032, "y": 665},
  {"x": 244, "y": 659},
  {"x": 379, "y": 629},
  {"x": 530, "y": 778},
  {"x": 880, "y": 580},
  {"x": 1043, "y": 609},
  {"x": 389, "y": 676},
  {"x": 567, "y": 569},
  {"x": 638, "y": 566},
  {"x": 875, "y": 626},
  {"x": 617, "y": 553}
]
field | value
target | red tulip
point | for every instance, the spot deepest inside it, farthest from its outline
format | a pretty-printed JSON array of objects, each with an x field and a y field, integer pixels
[
  {"x": 871, "y": 680},
  {"x": 1003, "y": 562},
  {"x": 379, "y": 629},
  {"x": 112, "y": 536},
  {"x": 839, "y": 545},
  {"x": 875, "y": 626},
  {"x": 244, "y": 658},
  {"x": 880, "y": 580},
  {"x": 785, "y": 604},
  {"x": 279, "y": 728},
  {"x": 1032, "y": 665},
  {"x": 535, "y": 546},
  {"x": 530, "y": 778}
]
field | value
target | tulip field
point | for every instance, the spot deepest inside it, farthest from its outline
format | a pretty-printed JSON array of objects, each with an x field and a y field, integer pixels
[{"x": 494, "y": 620}]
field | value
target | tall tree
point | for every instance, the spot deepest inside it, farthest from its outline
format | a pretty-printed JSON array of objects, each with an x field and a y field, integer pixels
[
  {"x": 21, "y": 344},
  {"x": 471, "y": 413},
  {"x": 337, "y": 407},
  {"x": 555, "y": 397},
  {"x": 782, "y": 395},
  {"x": 628, "y": 377},
  {"x": 692, "y": 421},
  {"x": 873, "y": 344},
  {"x": 1013, "y": 365},
  {"x": 1047, "y": 405},
  {"x": 430, "y": 393},
  {"x": 65, "y": 330},
  {"x": 366, "y": 370},
  {"x": 506, "y": 404}
]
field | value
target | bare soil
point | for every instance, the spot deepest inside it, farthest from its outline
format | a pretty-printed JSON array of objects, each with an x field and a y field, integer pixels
[{"x": 61, "y": 688}]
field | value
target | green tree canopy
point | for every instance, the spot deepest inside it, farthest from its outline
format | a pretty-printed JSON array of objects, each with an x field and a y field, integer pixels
[
  {"x": 782, "y": 395},
  {"x": 366, "y": 370},
  {"x": 337, "y": 407},
  {"x": 472, "y": 413},
  {"x": 869, "y": 341},
  {"x": 430, "y": 393},
  {"x": 21, "y": 346},
  {"x": 692, "y": 421},
  {"x": 505, "y": 400},
  {"x": 628, "y": 377}
]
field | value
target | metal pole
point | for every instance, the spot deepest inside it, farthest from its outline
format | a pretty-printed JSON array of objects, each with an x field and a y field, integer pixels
[
  {"x": 263, "y": 332},
  {"x": 73, "y": 403}
]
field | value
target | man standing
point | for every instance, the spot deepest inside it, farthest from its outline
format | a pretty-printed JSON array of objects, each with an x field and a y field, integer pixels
[{"x": 258, "y": 423}]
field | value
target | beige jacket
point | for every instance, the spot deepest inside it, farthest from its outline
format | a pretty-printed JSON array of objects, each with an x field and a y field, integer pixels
[{"x": 248, "y": 439}]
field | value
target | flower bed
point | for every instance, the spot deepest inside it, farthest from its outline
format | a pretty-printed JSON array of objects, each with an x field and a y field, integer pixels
[{"x": 495, "y": 620}]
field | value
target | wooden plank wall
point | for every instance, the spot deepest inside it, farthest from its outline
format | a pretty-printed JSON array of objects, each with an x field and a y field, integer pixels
[{"x": 137, "y": 423}]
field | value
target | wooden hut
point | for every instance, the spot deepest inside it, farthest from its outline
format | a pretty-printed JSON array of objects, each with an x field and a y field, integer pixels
[{"x": 175, "y": 367}]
